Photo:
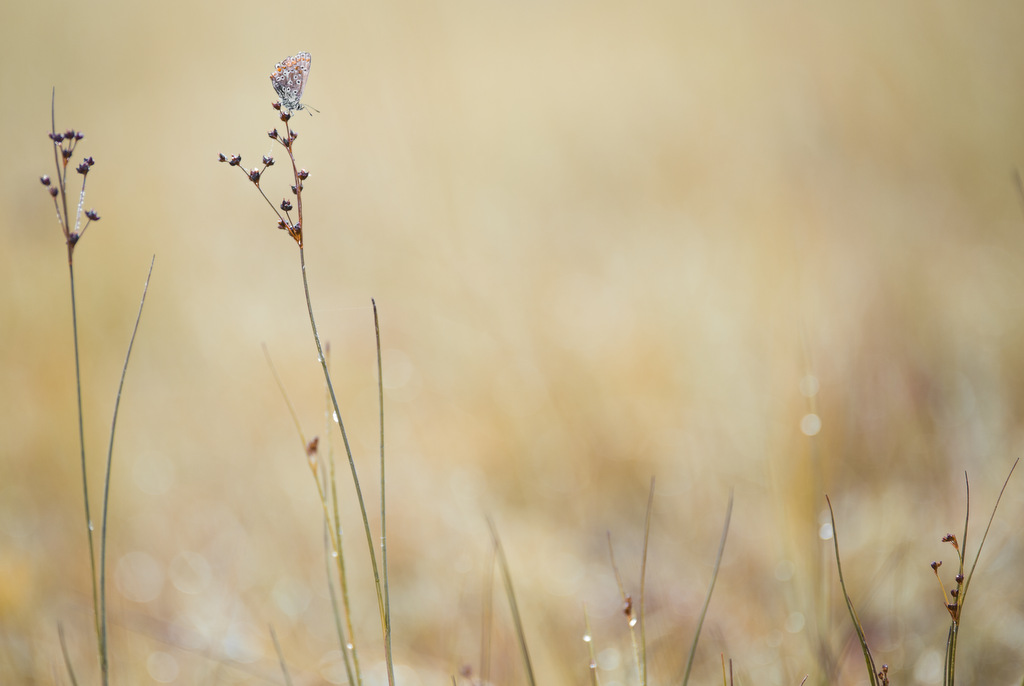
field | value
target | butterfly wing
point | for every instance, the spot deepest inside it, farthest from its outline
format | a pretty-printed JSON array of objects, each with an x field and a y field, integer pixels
[{"x": 289, "y": 79}]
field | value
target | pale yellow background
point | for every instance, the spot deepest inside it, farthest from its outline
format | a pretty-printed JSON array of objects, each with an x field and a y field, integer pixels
[{"x": 607, "y": 241}]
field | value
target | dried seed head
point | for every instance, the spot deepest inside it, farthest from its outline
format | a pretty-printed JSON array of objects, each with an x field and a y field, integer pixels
[
  {"x": 936, "y": 565},
  {"x": 91, "y": 214},
  {"x": 286, "y": 205},
  {"x": 54, "y": 191},
  {"x": 254, "y": 175},
  {"x": 959, "y": 578},
  {"x": 82, "y": 169},
  {"x": 303, "y": 174},
  {"x": 45, "y": 180},
  {"x": 268, "y": 160}
]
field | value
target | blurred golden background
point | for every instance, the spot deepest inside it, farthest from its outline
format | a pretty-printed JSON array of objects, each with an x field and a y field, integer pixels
[{"x": 608, "y": 241}]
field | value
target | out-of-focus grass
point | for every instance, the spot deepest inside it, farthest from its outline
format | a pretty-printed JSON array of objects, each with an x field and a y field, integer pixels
[{"x": 607, "y": 243}]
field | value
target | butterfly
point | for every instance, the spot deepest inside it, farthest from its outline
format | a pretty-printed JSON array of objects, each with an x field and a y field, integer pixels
[{"x": 289, "y": 80}]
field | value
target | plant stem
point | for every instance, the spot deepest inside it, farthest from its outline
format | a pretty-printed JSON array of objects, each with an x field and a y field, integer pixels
[
  {"x": 104, "y": 648},
  {"x": 707, "y": 597},
  {"x": 383, "y": 490},
  {"x": 643, "y": 586},
  {"x": 85, "y": 482},
  {"x": 385, "y": 628}
]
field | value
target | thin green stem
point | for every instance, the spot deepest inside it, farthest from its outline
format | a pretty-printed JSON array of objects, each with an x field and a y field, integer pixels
[
  {"x": 332, "y": 537},
  {"x": 339, "y": 556},
  {"x": 627, "y": 604},
  {"x": 949, "y": 671},
  {"x": 104, "y": 648},
  {"x": 517, "y": 620},
  {"x": 351, "y": 460},
  {"x": 67, "y": 657},
  {"x": 383, "y": 490},
  {"x": 588, "y": 638},
  {"x": 643, "y": 586},
  {"x": 336, "y": 533},
  {"x": 85, "y": 482},
  {"x": 357, "y": 678},
  {"x": 707, "y": 597},
  {"x": 970, "y": 574},
  {"x": 486, "y": 617},
  {"x": 280, "y": 657},
  {"x": 869, "y": 661}
]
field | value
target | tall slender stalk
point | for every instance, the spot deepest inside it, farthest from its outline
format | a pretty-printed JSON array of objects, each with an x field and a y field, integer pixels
[
  {"x": 383, "y": 490},
  {"x": 333, "y": 549},
  {"x": 643, "y": 586},
  {"x": 707, "y": 596},
  {"x": 963, "y": 583},
  {"x": 280, "y": 657},
  {"x": 517, "y": 620},
  {"x": 100, "y": 644},
  {"x": 64, "y": 145},
  {"x": 869, "y": 660},
  {"x": 295, "y": 230},
  {"x": 106, "y": 483},
  {"x": 67, "y": 658},
  {"x": 384, "y": 622},
  {"x": 627, "y": 608}
]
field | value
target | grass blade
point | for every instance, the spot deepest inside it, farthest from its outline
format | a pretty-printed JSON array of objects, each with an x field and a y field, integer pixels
[
  {"x": 67, "y": 657},
  {"x": 104, "y": 647},
  {"x": 513, "y": 606},
  {"x": 280, "y": 657},
  {"x": 868, "y": 660},
  {"x": 643, "y": 579},
  {"x": 711, "y": 588},
  {"x": 486, "y": 617},
  {"x": 984, "y": 536},
  {"x": 383, "y": 508},
  {"x": 627, "y": 606},
  {"x": 588, "y": 638}
]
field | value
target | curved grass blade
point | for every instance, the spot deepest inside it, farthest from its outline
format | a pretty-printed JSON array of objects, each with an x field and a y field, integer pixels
[
  {"x": 643, "y": 580},
  {"x": 67, "y": 658},
  {"x": 711, "y": 588},
  {"x": 513, "y": 606},
  {"x": 280, "y": 657},
  {"x": 868, "y": 660},
  {"x": 104, "y": 644}
]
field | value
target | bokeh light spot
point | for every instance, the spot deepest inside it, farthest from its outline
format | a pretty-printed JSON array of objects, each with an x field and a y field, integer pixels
[
  {"x": 810, "y": 425},
  {"x": 139, "y": 577},
  {"x": 162, "y": 667}
]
